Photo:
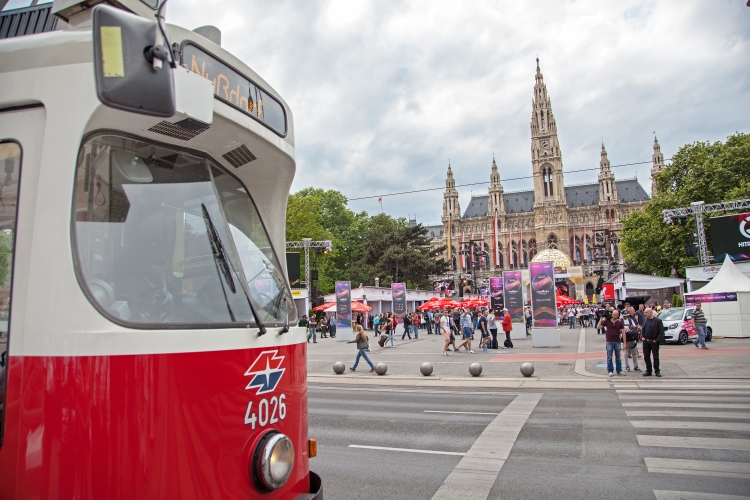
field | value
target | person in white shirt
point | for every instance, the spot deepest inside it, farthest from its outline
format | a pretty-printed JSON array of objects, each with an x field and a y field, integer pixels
[{"x": 445, "y": 328}]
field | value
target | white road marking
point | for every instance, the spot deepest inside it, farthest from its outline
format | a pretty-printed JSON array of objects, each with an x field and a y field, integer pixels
[
  {"x": 714, "y": 393},
  {"x": 461, "y": 412},
  {"x": 698, "y": 467},
  {"x": 692, "y": 425},
  {"x": 420, "y": 391},
  {"x": 693, "y": 495},
  {"x": 691, "y": 414},
  {"x": 694, "y": 442},
  {"x": 706, "y": 398},
  {"x": 408, "y": 450},
  {"x": 718, "y": 406},
  {"x": 474, "y": 475}
]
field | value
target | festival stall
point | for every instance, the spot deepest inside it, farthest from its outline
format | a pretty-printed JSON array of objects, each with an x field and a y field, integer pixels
[{"x": 726, "y": 301}]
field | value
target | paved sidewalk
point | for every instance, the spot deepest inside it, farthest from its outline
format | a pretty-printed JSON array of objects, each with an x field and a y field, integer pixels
[{"x": 577, "y": 363}]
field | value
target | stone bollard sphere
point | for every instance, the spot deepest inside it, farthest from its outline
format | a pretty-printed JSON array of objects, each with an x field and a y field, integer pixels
[
  {"x": 527, "y": 369},
  {"x": 475, "y": 369},
  {"x": 426, "y": 369},
  {"x": 339, "y": 367},
  {"x": 381, "y": 368}
]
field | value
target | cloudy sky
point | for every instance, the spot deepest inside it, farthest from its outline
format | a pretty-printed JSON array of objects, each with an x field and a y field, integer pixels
[{"x": 385, "y": 93}]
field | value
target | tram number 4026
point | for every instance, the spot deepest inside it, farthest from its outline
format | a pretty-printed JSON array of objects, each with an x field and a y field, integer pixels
[{"x": 269, "y": 411}]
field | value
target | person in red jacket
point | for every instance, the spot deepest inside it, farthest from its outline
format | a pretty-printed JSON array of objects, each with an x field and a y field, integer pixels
[{"x": 507, "y": 327}]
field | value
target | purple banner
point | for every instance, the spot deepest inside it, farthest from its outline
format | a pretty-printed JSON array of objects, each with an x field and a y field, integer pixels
[
  {"x": 398, "y": 292},
  {"x": 543, "y": 306},
  {"x": 513, "y": 290},
  {"x": 711, "y": 297},
  {"x": 343, "y": 304},
  {"x": 496, "y": 294}
]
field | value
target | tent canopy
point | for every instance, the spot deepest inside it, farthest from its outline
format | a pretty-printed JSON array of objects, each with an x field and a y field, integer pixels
[
  {"x": 647, "y": 282},
  {"x": 728, "y": 279}
]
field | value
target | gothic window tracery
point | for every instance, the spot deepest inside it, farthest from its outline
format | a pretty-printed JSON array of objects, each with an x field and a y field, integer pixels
[{"x": 552, "y": 241}]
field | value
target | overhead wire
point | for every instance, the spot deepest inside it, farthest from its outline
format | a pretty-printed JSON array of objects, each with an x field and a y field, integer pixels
[{"x": 487, "y": 182}]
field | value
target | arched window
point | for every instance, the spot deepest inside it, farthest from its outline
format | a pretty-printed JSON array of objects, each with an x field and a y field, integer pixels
[
  {"x": 532, "y": 248},
  {"x": 515, "y": 259},
  {"x": 552, "y": 241},
  {"x": 525, "y": 258},
  {"x": 590, "y": 290},
  {"x": 551, "y": 189},
  {"x": 544, "y": 180}
]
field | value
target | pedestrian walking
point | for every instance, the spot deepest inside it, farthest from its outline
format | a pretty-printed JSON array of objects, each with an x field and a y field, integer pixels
[
  {"x": 528, "y": 317},
  {"x": 363, "y": 344},
  {"x": 312, "y": 327},
  {"x": 652, "y": 335},
  {"x": 484, "y": 332},
  {"x": 614, "y": 336},
  {"x": 507, "y": 323},
  {"x": 407, "y": 327},
  {"x": 376, "y": 324},
  {"x": 428, "y": 319},
  {"x": 572, "y": 318},
  {"x": 445, "y": 329},
  {"x": 699, "y": 322},
  {"x": 389, "y": 326},
  {"x": 466, "y": 330},
  {"x": 332, "y": 325},
  {"x": 492, "y": 323},
  {"x": 632, "y": 332}
]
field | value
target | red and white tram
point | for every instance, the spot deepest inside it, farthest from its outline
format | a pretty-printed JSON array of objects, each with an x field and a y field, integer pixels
[{"x": 144, "y": 304}]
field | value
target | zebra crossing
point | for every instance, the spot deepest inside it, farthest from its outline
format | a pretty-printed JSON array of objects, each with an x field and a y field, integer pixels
[{"x": 700, "y": 433}]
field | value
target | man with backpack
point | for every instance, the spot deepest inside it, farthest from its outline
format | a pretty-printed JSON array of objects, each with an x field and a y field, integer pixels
[
  {"x": 407, "y": 327},
  {"x": 632, "y": 331}
]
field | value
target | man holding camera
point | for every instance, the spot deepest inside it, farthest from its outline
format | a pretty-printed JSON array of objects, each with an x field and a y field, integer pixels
[{"x": 614, "y": 332}]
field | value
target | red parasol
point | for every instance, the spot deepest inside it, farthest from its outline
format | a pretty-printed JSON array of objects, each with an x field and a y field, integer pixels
[
  {"x": 324, "y": 306},
  {"x": 356, "y": 307}
]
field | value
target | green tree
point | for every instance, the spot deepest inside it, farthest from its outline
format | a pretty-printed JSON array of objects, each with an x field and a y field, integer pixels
[{"x": 711, "y": 172}]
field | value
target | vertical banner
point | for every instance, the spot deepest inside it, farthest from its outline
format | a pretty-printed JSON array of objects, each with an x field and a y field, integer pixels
[
  {"x": 343, "y": 304},
  {"x": 496, "y": 294},
  {"x": 513, "y": 291},
  {"x": 398, "y": 292},
  {"x": 543, "y": 294}
]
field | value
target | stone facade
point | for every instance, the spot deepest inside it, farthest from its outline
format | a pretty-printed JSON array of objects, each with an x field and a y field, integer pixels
[{"x": 551, "y": 215}]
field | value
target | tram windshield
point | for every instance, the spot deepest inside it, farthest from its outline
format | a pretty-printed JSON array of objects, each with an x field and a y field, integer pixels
[{"x": 169, "y": 239}]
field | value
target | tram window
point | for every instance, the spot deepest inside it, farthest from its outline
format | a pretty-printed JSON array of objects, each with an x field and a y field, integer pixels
[
  {"x": 144, "y": 250},
  {"x": 10, "y": 158}
]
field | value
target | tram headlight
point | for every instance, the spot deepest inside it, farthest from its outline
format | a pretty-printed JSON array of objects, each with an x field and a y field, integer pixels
[{"x": 273, "y": 461}]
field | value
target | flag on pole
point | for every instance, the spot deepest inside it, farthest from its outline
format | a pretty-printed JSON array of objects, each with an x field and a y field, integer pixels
[
  {"x": 495, "y": 243},
  {"x": 463, "y": 255},
  {"x": 520, "y": 246},
  {"x": 450, "y": 242},
  {"x": 583, "y": 250}
]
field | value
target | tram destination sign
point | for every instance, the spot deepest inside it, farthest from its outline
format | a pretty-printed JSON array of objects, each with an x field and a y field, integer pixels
[{"x": 234, "y": 88}]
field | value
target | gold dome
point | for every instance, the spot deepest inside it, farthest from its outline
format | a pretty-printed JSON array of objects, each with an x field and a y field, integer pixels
[{"x": 559, "y": 259}]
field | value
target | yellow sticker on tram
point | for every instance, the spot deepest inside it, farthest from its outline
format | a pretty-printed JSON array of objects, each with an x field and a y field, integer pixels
[{"x": 112, "y": 58}]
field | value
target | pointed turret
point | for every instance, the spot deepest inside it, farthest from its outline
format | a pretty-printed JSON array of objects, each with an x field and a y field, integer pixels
[
  {"x": 657, "y": 164},
  {"x": 450, "y": 198},
  {"x": 496, "y": 201},
  {"x": 546, "y": 157},
  {"x": 607, "y": 188}
]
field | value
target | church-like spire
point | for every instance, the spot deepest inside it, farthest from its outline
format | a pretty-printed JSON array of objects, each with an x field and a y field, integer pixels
[
  {"x": 657, "y": 164},
  {"x": 607, "y": 188},
  {"x": 496, "y": 201},
  {"x": 450, "y": 197}
]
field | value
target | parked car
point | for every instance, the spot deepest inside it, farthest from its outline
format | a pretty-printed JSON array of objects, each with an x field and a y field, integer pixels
[{"x": 678, "y": 326}]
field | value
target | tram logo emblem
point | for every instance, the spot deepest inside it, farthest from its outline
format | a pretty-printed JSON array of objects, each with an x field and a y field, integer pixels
[{"x": 266, "y": 372}]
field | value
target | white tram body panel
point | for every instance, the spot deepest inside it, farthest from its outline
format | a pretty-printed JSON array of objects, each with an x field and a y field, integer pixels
[{"x": 97, "y": 406}]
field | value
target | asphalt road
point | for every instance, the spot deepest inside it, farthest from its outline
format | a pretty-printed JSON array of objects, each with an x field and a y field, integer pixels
[{"x": 568, "y": 444}]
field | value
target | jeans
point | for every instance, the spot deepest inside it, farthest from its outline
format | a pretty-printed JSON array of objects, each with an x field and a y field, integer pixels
[
  {"x": 333, "y": 331},
  {"x": 634, "y": 352},
  {"x": 407, "y": 331},
  {"x": 493, "y": 332},
  {"x": 416, "y": 331},
  {"x": 362, "y": 353},
  {"x": 429, "y": 328},
  {"x": 311, "y": 333},
  {"x": 701, "y": 340},
  {"x": 572, "y": 322},
  {"x": 614, "y": 346},
  {"x": 648, "y": 349}
]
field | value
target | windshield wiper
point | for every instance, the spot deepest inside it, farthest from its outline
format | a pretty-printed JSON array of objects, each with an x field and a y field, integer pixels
[{"x": 222, "y": 261}]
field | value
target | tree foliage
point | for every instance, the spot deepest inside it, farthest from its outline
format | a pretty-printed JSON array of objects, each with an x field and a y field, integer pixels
[
  {"x": 363, "y": 247},
  {"x": 702, "y": 171}
]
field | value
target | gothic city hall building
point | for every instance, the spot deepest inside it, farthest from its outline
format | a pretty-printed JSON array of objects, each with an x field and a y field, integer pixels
[{"x": 507, "y": 229}]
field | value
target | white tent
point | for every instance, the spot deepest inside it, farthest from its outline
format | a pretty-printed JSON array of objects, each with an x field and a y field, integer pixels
[{"x": 726, "y": 301}]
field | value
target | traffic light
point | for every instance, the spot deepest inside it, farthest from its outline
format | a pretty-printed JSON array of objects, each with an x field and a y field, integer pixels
[
  {"x": 314, "y": 274},
  {"x": 690, "y": 250},
  {"x": 679, "y": 220}
]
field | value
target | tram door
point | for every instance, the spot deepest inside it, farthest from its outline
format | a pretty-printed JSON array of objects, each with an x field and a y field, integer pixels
[{"x": 21, "y": 141}]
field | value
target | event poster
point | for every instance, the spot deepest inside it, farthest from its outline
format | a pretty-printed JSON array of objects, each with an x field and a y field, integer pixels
[
  {"x": 496, "y": 294},
  {"x": 343, "y": 304},
  {"x": 398, "y": 291},
  {"x": 543, "y": 294},
  {"x": 513, "y": 289}
]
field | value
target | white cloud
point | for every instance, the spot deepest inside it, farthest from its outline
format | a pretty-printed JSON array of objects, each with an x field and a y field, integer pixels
[{"x": 383, "y": 93}]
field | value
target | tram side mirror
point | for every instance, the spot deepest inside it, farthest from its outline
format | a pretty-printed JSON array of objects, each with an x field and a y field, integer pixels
[{"x": 124, "y": 49}]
